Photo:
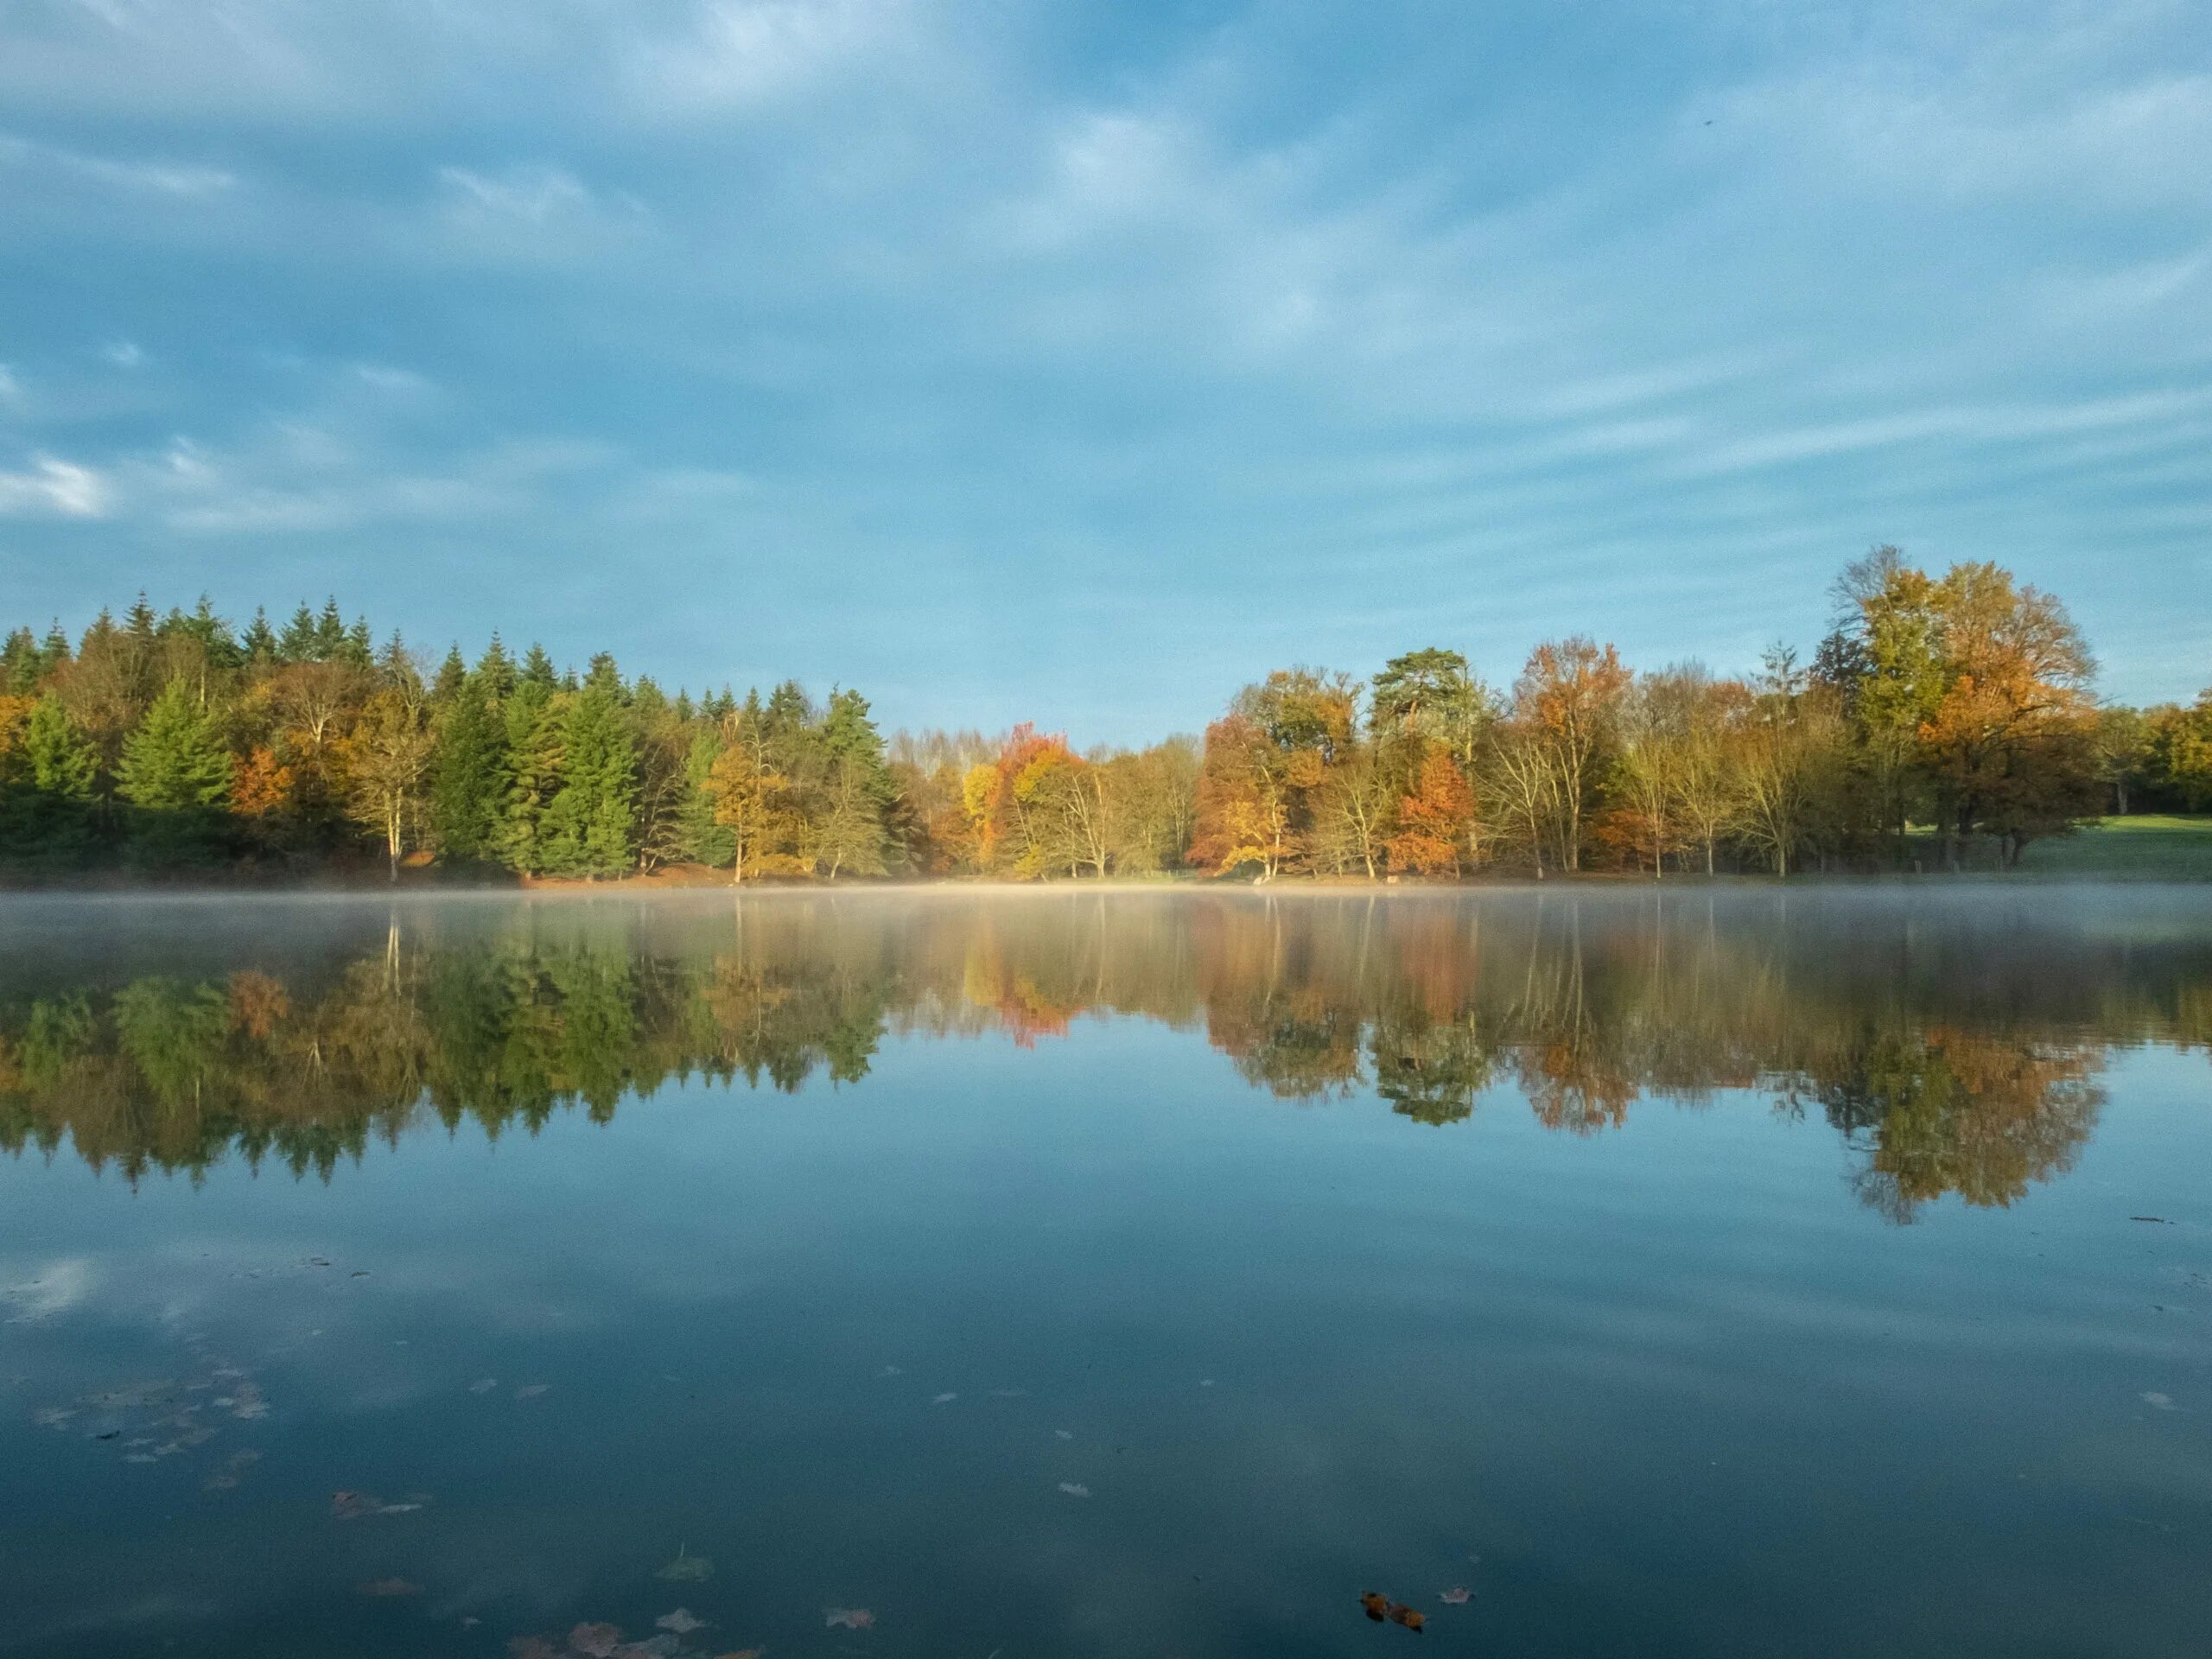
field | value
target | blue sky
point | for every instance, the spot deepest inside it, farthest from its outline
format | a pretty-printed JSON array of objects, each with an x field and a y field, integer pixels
[{"x": 1078, "y": 362}]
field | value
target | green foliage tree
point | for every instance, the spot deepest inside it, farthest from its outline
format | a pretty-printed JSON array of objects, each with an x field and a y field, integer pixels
[
  {"x": 175, "y": 772},
  {"x": 588, "y": 824},
  {"x": 469, "y": 780},
  {"x": 47, "y": 807}
]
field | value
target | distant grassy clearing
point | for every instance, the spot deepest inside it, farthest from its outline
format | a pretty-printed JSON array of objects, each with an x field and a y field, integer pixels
[{"x": 2151, "y": 847}]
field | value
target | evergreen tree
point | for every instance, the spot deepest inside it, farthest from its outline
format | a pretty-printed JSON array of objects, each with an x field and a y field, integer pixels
[
  {"x": 538, "y": 669},
  {"x": 700, "y": 839},
  {"x": 588, "y": 827},
  {"x": 19, "y": 662},
  {"x": 469, "y": 780},
  {"x": 495, "y": 673},
  {"x": 54, "y": 649},
  {"x": 258, "y": 644},
  {"x": 533, "y": 723},
  {"x": 299, "y": 643},
  {"x": 453, "y": 674},
  {"x": 329, "y": 634},
  {"x": 175, "y": 773},
  {"x": 46, "y": 799}
]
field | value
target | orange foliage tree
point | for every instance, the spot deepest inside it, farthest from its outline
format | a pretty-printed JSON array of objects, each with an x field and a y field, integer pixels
[{"x": 1432, "y": 819}]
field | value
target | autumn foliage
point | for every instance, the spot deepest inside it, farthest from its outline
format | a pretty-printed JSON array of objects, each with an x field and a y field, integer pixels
[{"x": 1945, "y": 713}]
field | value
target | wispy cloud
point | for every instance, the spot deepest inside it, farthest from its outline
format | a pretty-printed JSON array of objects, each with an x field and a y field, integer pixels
[
  {"x": 52, "y": 488},
  {"x": 750, "y": 53},
  {"x": 158, "y": 178}
]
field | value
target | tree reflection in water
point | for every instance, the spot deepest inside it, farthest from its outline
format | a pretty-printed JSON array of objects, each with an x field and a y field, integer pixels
[{"x": 1957, "y": 1047}]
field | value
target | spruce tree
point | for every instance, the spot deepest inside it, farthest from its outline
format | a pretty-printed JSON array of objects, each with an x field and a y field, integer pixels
[
  {"x": 46, "y": 799},
  {"x": 532, "y": 773},
  {"x": 175, "y": 772},
  {"x": 469, "y": 777},
  {"x": 299, "y": 642},
  {"x": 495, "y": 673},
  {"x": 259, "y": 641},
  {"x": 590, "y": 824},
  {"x": 699, "y": 838}
]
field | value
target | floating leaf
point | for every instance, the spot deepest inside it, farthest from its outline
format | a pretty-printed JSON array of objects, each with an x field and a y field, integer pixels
[
  {"x": 687, "y": 1568},
  {"x": 1062, "y": 1434},
  {"x": 391, "y": 1588},
  {"x": 484, "y": 1385},
  {"x": 1380, "y": 1608},
  {"x": 351, "y": 1506},
  {"x": 1457, "y": 1597},
  {"x": 944, "y": 1399},
  {"x": 2160, "y": 1402},
  {"x": 680, "y": 1621},
  {"x": 595, "y": 1641},
  {"x": 1074, "y": 1490},
  {"x": 531, "y": 1390},
  {"x": 852, "y": 1619}
]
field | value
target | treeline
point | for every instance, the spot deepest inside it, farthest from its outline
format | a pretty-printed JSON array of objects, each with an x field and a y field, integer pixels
[{"x": 1940, "y": 712}]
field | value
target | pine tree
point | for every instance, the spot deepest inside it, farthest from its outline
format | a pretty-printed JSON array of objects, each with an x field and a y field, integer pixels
[
  {"x": 259, "y": 641},
  {"x": 495, "y": 673},
  {"x": 850, "y": 832},
  {"x": 19, "y": 662},
  {"x": 538, "y": 669},
  {"x": 469, "y": 778},
  {"x": 47, "y": 806},
  {"x": 589, "y": 825},
  {"x": 700, "y": 839},
  {"x": 299, "y": 643},
  {"x": 175, "y": 773},
  {"x": 330, "y": 634},
  {"x": 533, "y": 727},
  {"x": 453, "y": 674}
]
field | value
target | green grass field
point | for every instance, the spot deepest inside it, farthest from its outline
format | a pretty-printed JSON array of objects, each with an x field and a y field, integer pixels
[{"x": 2150, "y": 848}]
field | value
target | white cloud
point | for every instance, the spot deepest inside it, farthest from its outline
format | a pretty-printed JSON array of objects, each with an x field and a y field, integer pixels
[
  {"x": 53, "y": 488},
  {"x": 123, "y": 353},
  {"x": 163, "y": 178},
  {"x": 751, "y": 52},
  {"x": 531, "y": 193},
  {"x": 11, "y": 389}
]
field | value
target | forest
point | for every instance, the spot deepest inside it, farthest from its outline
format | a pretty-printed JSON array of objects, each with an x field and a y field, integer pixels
[{"x": 1943, "y": 720}]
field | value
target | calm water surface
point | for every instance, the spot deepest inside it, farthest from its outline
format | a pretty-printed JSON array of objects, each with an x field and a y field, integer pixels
[{"x": 1817, "y": 1274}]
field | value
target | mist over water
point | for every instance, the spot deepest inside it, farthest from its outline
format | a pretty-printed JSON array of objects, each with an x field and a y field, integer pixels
[{"x": 1680, "y": 1271}]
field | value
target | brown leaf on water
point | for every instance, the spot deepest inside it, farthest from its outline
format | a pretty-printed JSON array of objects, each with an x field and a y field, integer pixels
[
  {"x": 852, "y": 1619},
  {"x": 596, "y": 1641},
  {"x": 1381, "y": 1608},
  {"x": 680, "y": 1621},
  {"x": 392, "y": 1587}
]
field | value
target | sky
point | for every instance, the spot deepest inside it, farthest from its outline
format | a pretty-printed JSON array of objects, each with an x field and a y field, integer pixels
[{"x": 1080, "y": 362}]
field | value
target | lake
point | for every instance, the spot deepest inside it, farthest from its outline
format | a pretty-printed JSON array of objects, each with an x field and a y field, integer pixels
[{"x": 1594, "y": 1271}]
